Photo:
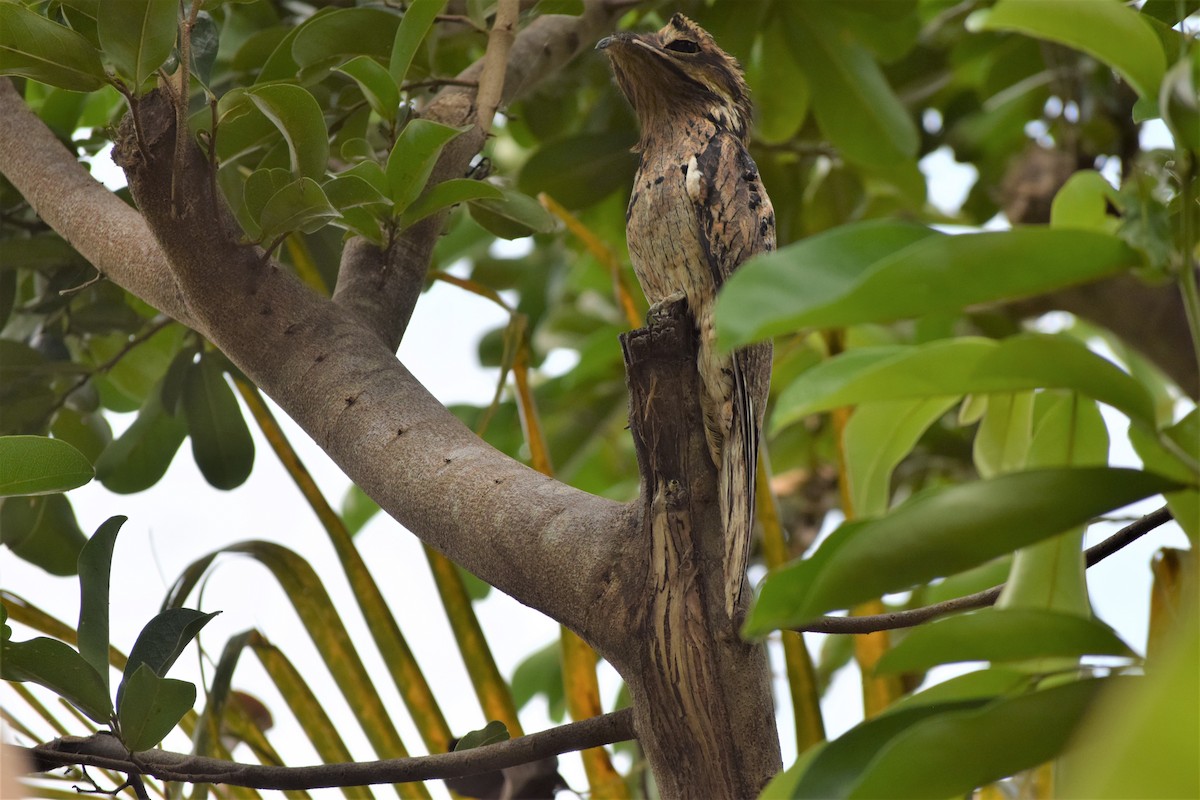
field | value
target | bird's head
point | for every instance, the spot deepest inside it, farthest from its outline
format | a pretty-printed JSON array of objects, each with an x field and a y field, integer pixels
[{"x": 679, "y": 72}]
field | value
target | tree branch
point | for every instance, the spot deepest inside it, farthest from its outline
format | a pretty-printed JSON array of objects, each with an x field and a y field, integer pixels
[
  {"x": 907, "y": 619},
  {"x": 97, "y": 223},
  {"x": 381, "y": 290},
  {"x": 106, "y": 751}
]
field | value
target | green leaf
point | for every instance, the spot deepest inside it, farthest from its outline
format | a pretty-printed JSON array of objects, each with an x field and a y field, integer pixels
[
  {"x": 137, "y": 36},
  {"x": 139, "y": 457},
  {"x": 579, "y": 170},
  {"x": 376, "y": 85},
  {"x": 205, "y": 42},
  {"x": 933, "y": 274},
  {"x": 1108, "y": 30},
  {"x": 852, "y": 101},
  {"x": 261, "y": 186},
  {"x": 357, "y": 509},
  {"x": 299, "y": 206},
  {"x": 350, "y": 191},
  {"x": 1083, "y": 202},
  {"x": 345, "y": 32},
  {"x": 95, "y": 569},
  {"x": 832, "y": 771},
  {"x": 1179, "y": 100},
  {"x": 492, "y": 733},
  {"x": 446, "y": 194},
  {"x": 779, "y": 87},
  {"x": 950, "y": 754},
  {"x": 540, "y": 673},
  {"x": 998, "y": 635},
  {"x": 43, "y": 531},
  {"x": 816, "y": 271},
  {"x": 221, "y": 442},
  {"x": 514, "y": 216},
  {"x": 151, "y": 708},
  {"x": 940, "y": 532},
  {"x": 38, "y": 465},
  {"x": 34, "y": 47},
  {"x": 412, "y": 159},
  {"x": 876, "y": 439},
  {"x": 1175, "y": 452},
  {"x": 50, "y": 663},
  {"x": 961, "y": 366},
  {"x": 1005, "y": 432},
  {"x": 1142, "y": 739},
  {"x": 418, "y": 19},
  {"x": 161, "y": 642},
  {"x": 298, "y": 116}
]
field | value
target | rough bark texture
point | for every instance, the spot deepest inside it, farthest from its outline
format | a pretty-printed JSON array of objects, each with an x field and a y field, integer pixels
[{"x": 701, "y": 696}]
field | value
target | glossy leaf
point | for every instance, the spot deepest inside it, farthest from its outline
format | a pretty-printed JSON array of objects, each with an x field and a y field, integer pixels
[
  {"x": 446, "y": 194},
  {"x": 345, "y": 32},
  {"x": 299, "y": 206},
  {"x": 512, "y": 217},
  {"x": 876, "y": 439},
  {"x": 298, "y": 116},
  {"x": 95, "y": 569},
  {"x": 1083, "y": 203},
  {"x": 357, "y": 509},
  {"x": 418, "y": 19},
  {"x": 941, "y": 532},
  {"x": 152, "y": 707},
  {"x": 221, "y": 442},
  {"x": 492, "y": 733},
  {"x": 999, "y": 635},
  {"x": 933, "y": 274},
  {"x": 950, "y": 754},
  {"x": 1175, "y": 451},
  {"x": 1110, "y": 31},
  {"x": 32, "y": 46},
  {"x": 1141, "y": 739},
  {"x": 55, "y": 665},
  {"x": 205, "y": 43},
  {"x": 831, "y": 773},
  {"x": 852, "y": 101},
  {"x": 1002, "y": 442},
  {"x": 412, "y": 158},
  {"x": 139, "y": 457},
  {"x": 39, "y": 465},
  {"x": 1068, "y": 432},
  {"x": 161, "y": 642},
  {"x": 261, "y": 186},
  {"x": 137, "y": 36},
  {"x": 961, "y": 366},
  {"x": 351, "y": 191},
  {"x": 42, "y": 530},
  {"x": 376, "y": 85}
]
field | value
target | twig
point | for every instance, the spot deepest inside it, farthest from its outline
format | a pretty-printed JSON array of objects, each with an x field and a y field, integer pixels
[
  {"x": 410, "y": 85},
  {"x": 104, "y": 750},
  {"x": 495, "y": 62},
  {"x": 915, "y": 616}
]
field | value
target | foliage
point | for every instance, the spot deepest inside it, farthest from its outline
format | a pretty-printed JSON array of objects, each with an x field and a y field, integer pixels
[{"x": 877, "y": 299}]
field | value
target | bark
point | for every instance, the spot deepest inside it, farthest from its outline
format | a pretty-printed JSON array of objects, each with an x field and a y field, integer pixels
[{"x": 701, "y": 695}]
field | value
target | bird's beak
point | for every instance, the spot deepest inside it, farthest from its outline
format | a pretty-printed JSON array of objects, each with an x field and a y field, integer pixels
[{"x": 605, "y": 42}]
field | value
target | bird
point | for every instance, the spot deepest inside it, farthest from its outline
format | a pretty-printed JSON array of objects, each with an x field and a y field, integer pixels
[{"x": 698, "y": 210}]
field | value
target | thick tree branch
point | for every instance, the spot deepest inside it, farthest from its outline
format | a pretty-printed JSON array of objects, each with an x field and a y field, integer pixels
[
  {"x": 381, "y": 290},
  {"x": 97, "y": 223},
  {"x": 105, "y": 751},
  {"x": 907, "y": 619}
]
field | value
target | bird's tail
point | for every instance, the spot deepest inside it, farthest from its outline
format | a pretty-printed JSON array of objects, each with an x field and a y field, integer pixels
[{"x": 739, "y": 461}]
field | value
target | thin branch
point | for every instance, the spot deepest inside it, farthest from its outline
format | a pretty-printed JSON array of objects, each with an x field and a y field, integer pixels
[
  {"x": 105, "y": 750},
  {"x": 495, "y": 62},
  {"x": 907, "y": 619}
]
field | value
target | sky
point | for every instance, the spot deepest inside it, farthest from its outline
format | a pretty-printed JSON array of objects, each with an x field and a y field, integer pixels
[{"x": 182, "y": 518}]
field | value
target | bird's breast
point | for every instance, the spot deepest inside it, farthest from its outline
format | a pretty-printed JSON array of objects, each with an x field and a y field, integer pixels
[{"x": 663, "y": 231}]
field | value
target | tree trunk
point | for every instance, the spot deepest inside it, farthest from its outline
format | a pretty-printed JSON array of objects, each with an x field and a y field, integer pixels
[{"x": 701, "y": 695}]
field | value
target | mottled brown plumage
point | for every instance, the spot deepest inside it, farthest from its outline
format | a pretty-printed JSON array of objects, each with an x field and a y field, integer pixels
[{"x": 698, "y": 210}]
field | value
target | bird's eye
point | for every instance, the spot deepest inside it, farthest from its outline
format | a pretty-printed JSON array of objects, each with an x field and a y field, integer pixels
[{"x": 683, "y": 46}]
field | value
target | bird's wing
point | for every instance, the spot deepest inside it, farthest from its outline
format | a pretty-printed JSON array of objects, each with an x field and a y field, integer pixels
[{"x": 735, "y": 221}]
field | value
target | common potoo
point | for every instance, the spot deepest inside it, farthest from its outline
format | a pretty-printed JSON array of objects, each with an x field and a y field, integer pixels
[{"x": 698, "y": 210}]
